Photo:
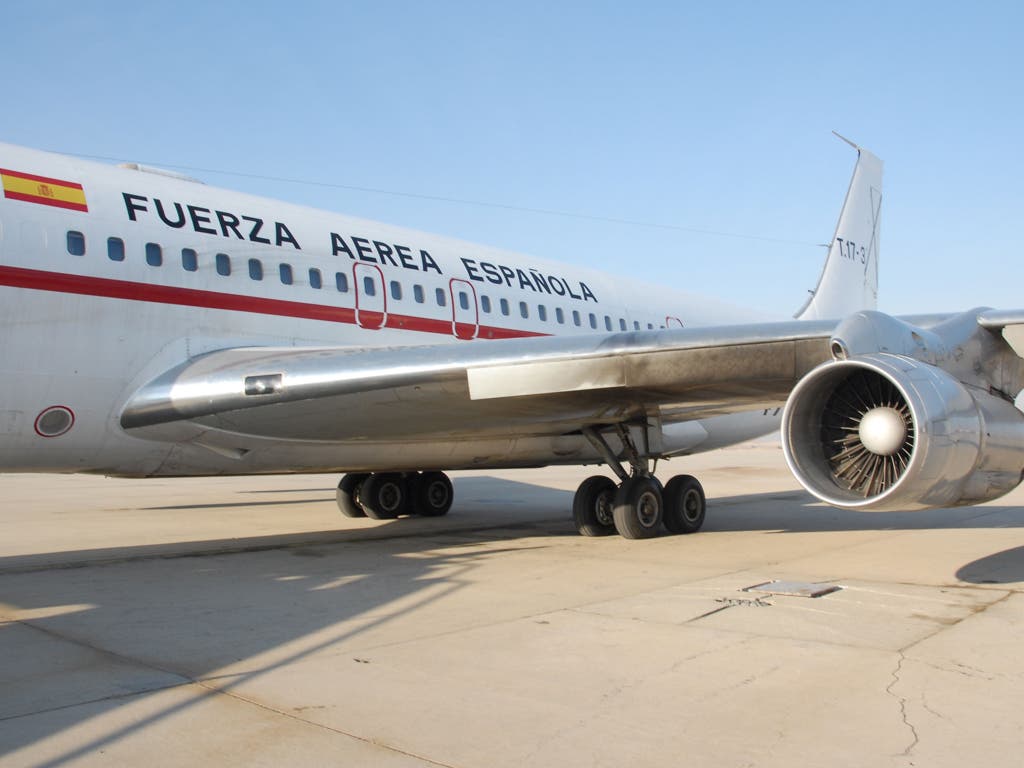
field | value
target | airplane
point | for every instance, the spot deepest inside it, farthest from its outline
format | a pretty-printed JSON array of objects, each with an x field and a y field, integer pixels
[{"x": 154, "y": 326}]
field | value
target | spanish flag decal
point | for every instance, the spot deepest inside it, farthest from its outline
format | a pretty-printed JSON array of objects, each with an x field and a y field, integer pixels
[{"x": 40, "y": 189}]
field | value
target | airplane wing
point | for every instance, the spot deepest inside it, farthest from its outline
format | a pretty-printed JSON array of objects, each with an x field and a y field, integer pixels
[{"x": 535, "y": 386}]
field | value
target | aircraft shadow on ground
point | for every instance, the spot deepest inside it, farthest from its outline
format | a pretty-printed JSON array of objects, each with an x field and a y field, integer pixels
[
  {"x": 188, "y": 612},
  {"x": 799, "y": 512},
  {"x": 1004, "y": 567},
  {"x": 792, "y": 511},
  {"x": 184, "y": 618}
]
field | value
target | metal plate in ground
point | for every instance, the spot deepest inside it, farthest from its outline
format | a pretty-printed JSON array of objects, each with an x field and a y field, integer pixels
[{"x": 795, "y": 588}]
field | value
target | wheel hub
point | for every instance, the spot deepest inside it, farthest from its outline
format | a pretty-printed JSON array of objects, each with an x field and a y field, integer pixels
[
  {"x": 390, "y": 497},
  {"x": 437, "y": 495},
  {"x": 691, "y": 506},
  {"x": 647, "y": 509}
]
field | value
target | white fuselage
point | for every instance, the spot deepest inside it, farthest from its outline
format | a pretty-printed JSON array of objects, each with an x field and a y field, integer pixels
[{"x": 156, "y": 270}]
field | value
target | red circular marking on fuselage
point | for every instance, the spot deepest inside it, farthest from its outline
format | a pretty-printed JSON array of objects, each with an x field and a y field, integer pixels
[{"x": 54, "y": 408}]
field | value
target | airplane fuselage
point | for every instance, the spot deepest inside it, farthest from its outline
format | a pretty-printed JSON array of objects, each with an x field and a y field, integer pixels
[{"x": 110, "y": 276}]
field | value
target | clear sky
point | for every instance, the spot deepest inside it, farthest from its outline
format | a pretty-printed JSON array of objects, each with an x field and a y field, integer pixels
[{"x": 711, "y": 118}]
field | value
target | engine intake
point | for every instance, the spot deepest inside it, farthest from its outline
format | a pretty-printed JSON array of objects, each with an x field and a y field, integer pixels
[{"x": 885, "y": 432}]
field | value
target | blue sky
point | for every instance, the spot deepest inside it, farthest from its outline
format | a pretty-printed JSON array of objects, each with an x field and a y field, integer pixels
[{"x": 708, "y": 118}]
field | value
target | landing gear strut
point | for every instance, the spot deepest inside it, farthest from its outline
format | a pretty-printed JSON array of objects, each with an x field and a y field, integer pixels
[
  {"x": 387, "y": 495},
  {"x": 639, "y": 506}
]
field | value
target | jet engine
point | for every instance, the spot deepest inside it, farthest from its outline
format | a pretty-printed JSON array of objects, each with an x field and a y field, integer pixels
[{"x": 885, "y": 432}]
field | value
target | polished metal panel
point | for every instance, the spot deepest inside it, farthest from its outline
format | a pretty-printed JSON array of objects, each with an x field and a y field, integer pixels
[
  {"x": 514, "y": 387},
  {"x": 795, "y": 588},
  {"x": 997, "y": 319},
  {"x": 968, "y": 346}
]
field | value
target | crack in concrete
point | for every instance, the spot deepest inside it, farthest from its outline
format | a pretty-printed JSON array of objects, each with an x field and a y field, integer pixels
[
  {"x": 964, "y": 671},
  {"x": 979, "y": 610},
  {"x": 929, "y": 709},
  {"x": 915, "y": 738}
]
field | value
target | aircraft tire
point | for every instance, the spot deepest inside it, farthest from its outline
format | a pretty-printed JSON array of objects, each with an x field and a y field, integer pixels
[
  {"x": 685, "y": 505},
  {"x": 432, "y": 494},
  {"x": 592, "y": 506},
  {"x": 637, "y": 510},
  {"x": 383, "y": 495},
  {"x": 346, "y": 493}
]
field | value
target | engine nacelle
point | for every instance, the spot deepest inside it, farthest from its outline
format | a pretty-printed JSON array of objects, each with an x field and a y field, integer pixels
[{"x": 886, "y": 432}]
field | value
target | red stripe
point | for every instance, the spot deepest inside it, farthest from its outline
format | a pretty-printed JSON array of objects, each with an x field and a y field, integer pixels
[
  {"x": 46, "y": 201},
  {"x": 59, "y": 282},
  {"x": 44, "y": 179}
]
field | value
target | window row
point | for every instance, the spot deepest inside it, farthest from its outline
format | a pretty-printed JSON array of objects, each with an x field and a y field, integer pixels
[{"x": 154, "y": 255}]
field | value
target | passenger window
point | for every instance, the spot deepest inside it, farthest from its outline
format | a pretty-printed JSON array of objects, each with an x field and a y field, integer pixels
[
  {"x": 439, "y": 295},
  {"x": 115, "y": 249},
  {"x": 417, "y": 294},
  {"x": 463, "y": 299},
  {"x": 76, "y": 243},
  {"x": 485, "y": 304},
  {"x": 315, "y": 279},
  {"x": 154, "y": 255},
  {"x": 542, "y": 312},
  {"x": 504, "y": 307},
  {"x": 636, "y": 325},
  {"x": 189, "y": 260},
  {"x": 622, "y": 324},
  {"x": 396, "y": 290},
  {"x": 524, "y": 310},
  {"x": 341, "y": 281},
  {"x": 285, "y": 271},
  {"x": 650, "y": 326},
  {"x": 369, "y": 287},
  {"x": 255, "y": 269},
  {"x": 559, "y": 316},
  {"x": 607, "y": 323},
  {"x": 593, "y": 320},
  {"x": 575, "y": 317},
  {"x": 223, "y": 263}
]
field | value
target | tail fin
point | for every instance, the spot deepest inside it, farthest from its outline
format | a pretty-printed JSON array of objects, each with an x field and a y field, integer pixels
[{"x": 849, "y": 281}]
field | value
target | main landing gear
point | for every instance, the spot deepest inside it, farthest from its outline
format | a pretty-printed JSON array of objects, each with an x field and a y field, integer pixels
[
  {"x": 386, "y": 495},
  {"x": 639, "y": 506}
]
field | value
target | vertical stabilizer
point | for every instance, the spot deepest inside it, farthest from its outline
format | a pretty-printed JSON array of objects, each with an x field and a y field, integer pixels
[{"x": 849, "y": 281}]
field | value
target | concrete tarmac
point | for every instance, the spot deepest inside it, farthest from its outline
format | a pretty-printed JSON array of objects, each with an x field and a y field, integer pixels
[{"x": 243, "y": 621}]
